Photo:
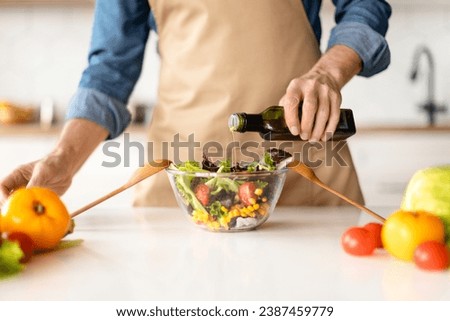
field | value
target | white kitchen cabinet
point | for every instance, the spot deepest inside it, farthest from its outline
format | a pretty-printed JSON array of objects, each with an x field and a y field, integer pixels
[{"x": 386, "y": 161}]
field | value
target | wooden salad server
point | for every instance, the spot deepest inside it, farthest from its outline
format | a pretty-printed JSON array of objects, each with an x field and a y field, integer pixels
[
  {"x": 308, "y": 173},
  {"x": 140, "y": 174}
]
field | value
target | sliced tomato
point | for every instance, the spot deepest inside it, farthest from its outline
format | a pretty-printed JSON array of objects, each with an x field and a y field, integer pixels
[
  {"x": 247, "y": 193},
  {"x": 202, "y": 194}
]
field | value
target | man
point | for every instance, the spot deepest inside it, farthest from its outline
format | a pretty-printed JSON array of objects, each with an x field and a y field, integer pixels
[{"x": 217, "y": 58}]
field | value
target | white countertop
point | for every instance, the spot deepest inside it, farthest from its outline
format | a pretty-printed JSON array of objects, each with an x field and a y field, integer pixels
[{"x": 157, "y": 254}]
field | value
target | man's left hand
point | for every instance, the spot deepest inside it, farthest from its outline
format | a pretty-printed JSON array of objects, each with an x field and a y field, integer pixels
[{"x": 319, "y": 92}]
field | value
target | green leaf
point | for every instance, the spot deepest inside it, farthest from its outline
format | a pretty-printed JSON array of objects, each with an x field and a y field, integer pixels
[
  {"x": 252, "y": 167},
  {"x": 62, "y": 245},
  {"x": 218, "y": 183},
  {"x": 216, "y": 209},
  {"x": 261, "y": 184},
  {"x": 224, "y": 166},
  {"x": 10, "y": 255},
  {"x": 67, "y": 244},
  {"x": 268, "y": 163},
  {"x": 183, "y": 183},
  {"x": 189, "y": 166}
]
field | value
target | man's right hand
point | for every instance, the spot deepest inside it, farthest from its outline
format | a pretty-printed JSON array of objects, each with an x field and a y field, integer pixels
[
  {"x": 78, "y": 140},
  {"x": 48, "y": 172}
]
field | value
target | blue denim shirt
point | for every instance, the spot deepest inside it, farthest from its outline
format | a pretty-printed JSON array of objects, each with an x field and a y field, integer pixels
[{"x": 121, "y": 30}]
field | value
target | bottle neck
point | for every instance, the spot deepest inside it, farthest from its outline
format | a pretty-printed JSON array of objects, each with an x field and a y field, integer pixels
[{"x": 242, "y": 122}]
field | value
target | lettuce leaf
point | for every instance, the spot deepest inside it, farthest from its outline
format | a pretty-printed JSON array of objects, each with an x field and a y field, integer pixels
[
  {"x": 267, "y": 162},
  {"x": 218, "y": 184},
  {"x": 252, "y": 167},
  {"x": 216, "y": 209},
  {"x": 224, "y": 166},
  {"x": 183, "y": 183},
  {"x": 189, "y": 166},
  {"x": 10, "y": 255}
]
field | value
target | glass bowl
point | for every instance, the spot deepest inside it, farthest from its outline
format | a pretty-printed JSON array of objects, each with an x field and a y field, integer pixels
[{"x": 227, "y": 202}]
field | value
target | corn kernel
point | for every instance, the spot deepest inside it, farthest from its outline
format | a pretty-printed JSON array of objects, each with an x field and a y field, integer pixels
[
  {"x": 264, "y": 199},
  {"x": 250, "y": 208},
  {"x": 214, "y": 225},
  {"x": 256, "y": 206},
  {"x": 252, "y": 201},
  {"x": 258, "y": 191},
  {"x": 224, "y": 222},
  {"x": 224, "y": 209}
]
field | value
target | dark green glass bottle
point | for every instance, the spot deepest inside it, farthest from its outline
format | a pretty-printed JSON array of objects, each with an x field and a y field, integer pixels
[{"x": 270, "y": 124}]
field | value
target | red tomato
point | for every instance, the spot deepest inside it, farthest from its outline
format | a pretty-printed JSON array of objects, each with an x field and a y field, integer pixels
[
  {"x": 375, "y": 228},
  {"x": 25, "y": 243},
  {"x": 247, "y": 193},
  {"x": 358, "y": 241},
  {"x": 432, "y": 255},
  {"x": 202, "y": 194}
]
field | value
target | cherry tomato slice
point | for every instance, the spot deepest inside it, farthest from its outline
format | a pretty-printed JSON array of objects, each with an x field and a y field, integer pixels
[
  {"x": 247, "y": 193},
  {"x": 358, "y": 241},
  {"x": 375, "y": 228},
  {"x": 432, "y": 255},
  {"x": 202, "y": 194}
]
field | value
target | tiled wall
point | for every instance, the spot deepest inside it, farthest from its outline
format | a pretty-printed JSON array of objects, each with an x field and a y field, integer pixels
[{"x": 43, "y": 51}]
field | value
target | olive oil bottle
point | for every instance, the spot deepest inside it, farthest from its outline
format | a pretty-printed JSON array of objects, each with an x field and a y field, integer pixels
[{"x": 271, "y": 125}]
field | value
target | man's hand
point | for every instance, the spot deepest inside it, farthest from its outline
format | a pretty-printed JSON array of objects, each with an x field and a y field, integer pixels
[
  {"x": 78, "y": 140},
  {"x": 319, "y": 90},
  {"x": 49, "y": 172}
]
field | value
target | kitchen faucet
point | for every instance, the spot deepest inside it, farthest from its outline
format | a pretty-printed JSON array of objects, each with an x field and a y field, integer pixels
[{"x": 430, "y": 106}]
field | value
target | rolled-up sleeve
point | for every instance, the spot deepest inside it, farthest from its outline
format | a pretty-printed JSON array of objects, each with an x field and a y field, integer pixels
[
  {"x": 362, "y": 26},
  {"x": 107, "y": 111},
  {"x": 119, "y": 36}
]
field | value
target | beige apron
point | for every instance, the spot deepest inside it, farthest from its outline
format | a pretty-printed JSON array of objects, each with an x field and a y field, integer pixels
[{"x": 221, "y": 57}]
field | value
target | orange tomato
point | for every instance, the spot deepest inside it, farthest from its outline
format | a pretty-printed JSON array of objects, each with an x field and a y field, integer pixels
[
  {"x": 37, "y": 212},
  {"x": 403, "y": 231}
]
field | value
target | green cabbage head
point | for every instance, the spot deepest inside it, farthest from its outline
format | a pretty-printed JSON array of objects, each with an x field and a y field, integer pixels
[{"x": 429, "y": 190}]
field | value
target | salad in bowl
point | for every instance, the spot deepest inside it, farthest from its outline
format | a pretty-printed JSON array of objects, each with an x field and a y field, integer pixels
[{"x": 224, "y": 197}]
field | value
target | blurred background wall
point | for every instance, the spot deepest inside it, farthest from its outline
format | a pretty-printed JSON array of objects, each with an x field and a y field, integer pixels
[{"x": 43, "y": 50}]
